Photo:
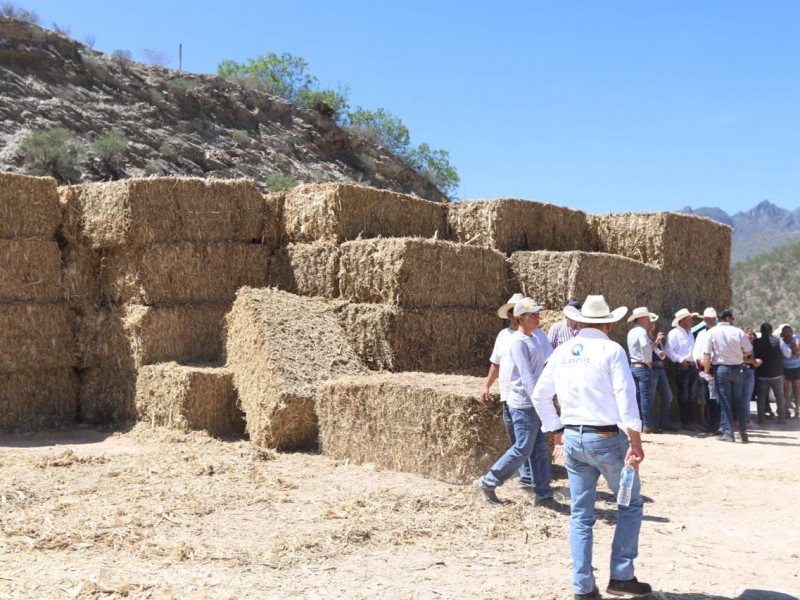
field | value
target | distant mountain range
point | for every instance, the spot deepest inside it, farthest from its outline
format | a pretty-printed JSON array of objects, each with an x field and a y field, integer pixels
[{"x": 755, "y": 231}]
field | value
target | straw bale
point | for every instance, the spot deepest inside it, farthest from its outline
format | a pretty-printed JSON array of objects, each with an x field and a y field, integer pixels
[
  {"x": 143, "y": 211},
  {"x": 30, "y": 271},
  {"x": 107, "y": 393},
  {"x": 338, "y": 212},
  {"x": 436, "y": 340},
  {"x": 271, "y": 236},
  {"x": 36, "y": 336},
  {"x": 306, "y": 269},
  {"x": 694, "y": 253},
  {"x": 423, "y": 423},
  {"x": 80, "y": 277},
  {"x": 420, "y": 272},
  {"x": 280, "y": 347},
  {"x": 32, "y": 399},
  {"x": 182, "y": 272},
  {"x": 28, "y": 207},
  {"x": 186, "y": 398},
  {"x": 509, "y": 225}
]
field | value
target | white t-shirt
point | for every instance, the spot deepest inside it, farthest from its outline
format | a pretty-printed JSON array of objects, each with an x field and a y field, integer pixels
[
  {"x": 501, "y": 345},
  {"x": 522, "y": 365}
]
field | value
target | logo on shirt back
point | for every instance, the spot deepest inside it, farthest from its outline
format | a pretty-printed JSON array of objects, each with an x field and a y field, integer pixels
[{"x": 577, "y": 349}]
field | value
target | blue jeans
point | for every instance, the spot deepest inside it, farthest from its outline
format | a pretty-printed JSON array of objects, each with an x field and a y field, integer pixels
[
  {"x": 660, "y": 383},
  {"x": 729, "y": 380},
  {"x": 749, "y": 386},
  {"x": 686, "y": 379},
  {"x": 643, "y": 377},
  {"x": 530, "y": 445},
  {"x": 526, "y": 470},
  {"x": 587, "y": 456}
]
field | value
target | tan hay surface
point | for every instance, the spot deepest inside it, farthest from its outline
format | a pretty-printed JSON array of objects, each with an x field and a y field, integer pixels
[
  {"x": 32, "y": 399},
  {"x": 509, "y": 225},
  {"x": 306, "y": 269},
  {"x": 80, "y": 277},
  {"x": 185, "y": 398},
  {"x": 436, "y": 340},
  {"x": 30, "y": 271},
  {"x": 106, "y": 393},
  {"x": 143, "y": 211},
  {"x": 430, "y": 424},
  {"x": 28, "y": 207},
  {"x": 280, "y": 348},
  {"x": 36, "y": 336},
  {"x": 183, "y": 272},
  {"x": 338, "y": 212},
  {"x": 420, "y": 272},
  {"x": 272, "y": 235},
  {"x": 693, "y": 251}
]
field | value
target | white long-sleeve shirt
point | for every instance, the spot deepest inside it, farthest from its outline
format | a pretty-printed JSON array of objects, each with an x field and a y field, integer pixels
[
  {"x": 592, "y": 379},
  {"x": 639, "y": 345},
  {"x": 522, "y": 365},
  {"x": 680, "y": 345}
]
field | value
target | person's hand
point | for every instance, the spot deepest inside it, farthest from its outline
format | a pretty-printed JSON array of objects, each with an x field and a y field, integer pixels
[
  {"x": 485, "y": 396},
  {"x": 660, "y": 337},
  {"x": 558, "y": 445},
  {"x": 758, "y": 362},
  {"x": 635, "y": 455}
]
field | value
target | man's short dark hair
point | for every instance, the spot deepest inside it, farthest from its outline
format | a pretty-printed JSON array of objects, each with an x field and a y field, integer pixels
[
  {"x": 766, "y": 329},
  {"x": 726, "y": 314}
]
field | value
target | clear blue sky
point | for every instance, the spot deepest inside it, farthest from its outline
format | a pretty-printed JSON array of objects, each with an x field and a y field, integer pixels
[{"x": 593, "y": 104}]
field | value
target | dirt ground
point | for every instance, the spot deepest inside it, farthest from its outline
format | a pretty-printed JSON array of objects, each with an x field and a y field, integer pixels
[{"x": 158, "y": 514}]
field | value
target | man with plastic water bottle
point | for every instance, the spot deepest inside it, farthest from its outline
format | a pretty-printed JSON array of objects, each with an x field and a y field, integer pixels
[{"x": 598, "y": 433}]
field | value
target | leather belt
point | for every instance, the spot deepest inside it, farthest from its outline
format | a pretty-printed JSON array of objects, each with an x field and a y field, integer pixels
[
  {"x": 640, "y": 364},
  {"x": 593, "y": 428}
]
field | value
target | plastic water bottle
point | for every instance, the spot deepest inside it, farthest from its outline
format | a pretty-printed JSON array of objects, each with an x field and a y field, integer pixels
[
  {"x": 625, "y": 485},
  {"x": 712, "y": 389}
]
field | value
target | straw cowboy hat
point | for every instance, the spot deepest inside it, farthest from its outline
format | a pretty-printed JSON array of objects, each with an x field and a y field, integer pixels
[
  {"x": 709, "y": 313},
  {"x": 682, "y": 314},
  {"x": 595, "y": 310},
  {"x": 526, "y": 305},
  {"x": 640, "y": 312},
  {"x": 502, "y": 312}
]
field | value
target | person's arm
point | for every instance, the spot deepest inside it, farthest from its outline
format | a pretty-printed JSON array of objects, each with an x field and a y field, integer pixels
[
  {"x": 671, "y": 348},
  {"x": 624, "y": 390},
  {"x": 542, "y": 399},
  {"x": 635, "y": 454},
  {"x": 786, "y": 352},
  {"x": 521, "y": 356},
  {"x": 491, "y": 377}
]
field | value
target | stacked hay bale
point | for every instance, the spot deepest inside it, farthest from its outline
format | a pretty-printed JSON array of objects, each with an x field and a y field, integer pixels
[
  {"x": 38, "y": 387},
  {"x": 166, "y": 257},
  {"x": 693, "y": 253}
]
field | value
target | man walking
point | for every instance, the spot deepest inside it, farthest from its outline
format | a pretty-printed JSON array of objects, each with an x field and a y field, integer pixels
[
  {"x": 725, "y": 349},
  {"x": 591, "y": 375},
  {"x": 640, "y": 351},
  {"x": 523, "y": 362},
  {"x": 679, "y": 348}
]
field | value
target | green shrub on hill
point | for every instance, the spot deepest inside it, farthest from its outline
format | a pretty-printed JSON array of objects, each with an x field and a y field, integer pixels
[
  {"x": 56, "y": 152},
  {"x": 765, "y": 287}
]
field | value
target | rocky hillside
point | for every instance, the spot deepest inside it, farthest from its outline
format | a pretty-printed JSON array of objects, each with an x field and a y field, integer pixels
[{"x": 175, "y": 123}]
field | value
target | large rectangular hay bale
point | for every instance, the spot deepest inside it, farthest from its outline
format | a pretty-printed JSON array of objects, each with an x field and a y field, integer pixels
[
  {"x": 429, "y": 424},
  {"x": 28, "y": 207},
  {"x": 134, "y": 212},
  {"x": 280, "y": 348},
  {"x": 437, "y": 340},
  {"x": 33, "y": 399},
  {"x": 182, "y": 272},
  {"x": 422, "y": 272},
  {"x": 30, "y": 271},
  {"x": 337, "y": 212},
  {"x": 189, "y": 398},
  {"x": 509, "y": 225},
  {"x": 80, "y": 277},
  {"x": 36, "y": 336},
  {"x": 306, "y": 269},
  {"x": 106, "y": 394}
]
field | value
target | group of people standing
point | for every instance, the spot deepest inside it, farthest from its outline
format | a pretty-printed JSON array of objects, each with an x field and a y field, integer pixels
[{"x": 597, "y": 401}]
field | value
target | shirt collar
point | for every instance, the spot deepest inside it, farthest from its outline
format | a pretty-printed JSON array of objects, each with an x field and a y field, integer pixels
[{"x": 591, "y": 332}]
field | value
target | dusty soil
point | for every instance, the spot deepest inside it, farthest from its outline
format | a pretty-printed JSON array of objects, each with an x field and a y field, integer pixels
[{"x": 157, "y": 514}]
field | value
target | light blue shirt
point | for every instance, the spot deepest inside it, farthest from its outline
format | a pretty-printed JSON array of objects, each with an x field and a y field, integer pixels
[{"x": 639, "y": 349}]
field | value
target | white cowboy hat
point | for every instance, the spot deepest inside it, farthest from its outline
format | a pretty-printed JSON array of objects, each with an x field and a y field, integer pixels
[
  {"x": 709, "y": 313},
  {"x": 526, "y": 305},
  {"x": 640, "y": 312},
  {"x": 595, "y": 310},
  {"x": 502, "y": 312},
  {"x": 682, "y": 314}
]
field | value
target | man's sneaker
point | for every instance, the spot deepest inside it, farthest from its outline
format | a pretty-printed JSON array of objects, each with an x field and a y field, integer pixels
[
  {"x": 628, "y": 587},
  {"x": 551, "y": 503},
  {"x": 593, "y": 595},
  {"x": 487, "y": 491},
  {"x": 524, "y": 485}
]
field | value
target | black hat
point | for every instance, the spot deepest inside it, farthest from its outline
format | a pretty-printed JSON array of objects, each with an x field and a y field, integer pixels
[{"x": 726, "y": 314}]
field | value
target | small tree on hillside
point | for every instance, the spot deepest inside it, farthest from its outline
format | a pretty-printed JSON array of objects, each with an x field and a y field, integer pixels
[
  {"x": 9, "y": 10},
  {"x": 382, "y": 127},
  {"x": 56, "y": 152}
]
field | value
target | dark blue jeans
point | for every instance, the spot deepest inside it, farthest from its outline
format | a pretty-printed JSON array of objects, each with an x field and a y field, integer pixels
[
  {"x": 526, "y": 470},
  {"x": 730, "y": 389},
  {"x": 642, "y": 377},
  {"x": 659, "y": 383},
  {"x": 687, "y": 379}
]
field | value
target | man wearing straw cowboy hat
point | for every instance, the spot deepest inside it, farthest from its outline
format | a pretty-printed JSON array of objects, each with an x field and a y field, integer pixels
[
  {"x": 593, "y": 381},
  {"x": 501, "y": 345},
  {"x": 640, "y": 351},
  {"x": 523, "y": 363},
  {"x": 679, "y": 349},
  {"x": 709, "y": 317}
]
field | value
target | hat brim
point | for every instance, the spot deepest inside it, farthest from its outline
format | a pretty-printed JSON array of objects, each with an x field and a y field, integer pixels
[
  {"x": 612, "y": 317},
  {"x": 653, "y": 317},
  {"x": 502, "y": 312},
  {"x": 677, "y": 320}
]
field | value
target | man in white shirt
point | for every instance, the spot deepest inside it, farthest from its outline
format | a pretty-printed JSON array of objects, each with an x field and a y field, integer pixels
[
  {"x": 501, "y": 346},
  {"x": 680, "y": 349},
  {"x": 640, "y": 352},
  {"x": 524, "y": 361},
  {"x": 593, "y": 381},
  {"x": 725, "y": 349},
  {"x": 710, "y": 319}
]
